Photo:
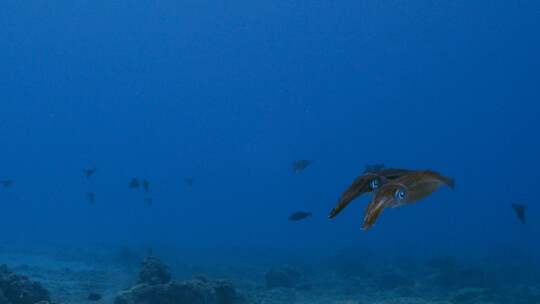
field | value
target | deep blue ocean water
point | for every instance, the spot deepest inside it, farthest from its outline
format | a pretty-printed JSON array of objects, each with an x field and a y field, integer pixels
[{"x": 232, "y": 93}]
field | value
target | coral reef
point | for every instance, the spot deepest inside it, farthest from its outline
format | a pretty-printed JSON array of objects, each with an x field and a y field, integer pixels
[
  {"x": 155, "y": 286},
  {"x": 153, "y": 272},
  {"x": 343, "y": 280},
  {"x": 16, "y": 289}
]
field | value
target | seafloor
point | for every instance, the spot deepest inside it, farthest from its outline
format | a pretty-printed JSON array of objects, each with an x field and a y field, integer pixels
[{"x": 346, "y": 277}]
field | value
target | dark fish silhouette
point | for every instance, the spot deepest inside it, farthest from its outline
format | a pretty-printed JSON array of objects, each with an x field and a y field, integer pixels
[
  {"x": 368, "y": 182},
  {"x": 299, "y": 215},
  {"x": 134, "y": 184},
  {"x": 190, "y": 181},
  {"x": 89, "y": 172},
  {"x": 300, "y": 165},
  {"x": 148, "y": 201},
  {"x": 6, "y": 183},
  {"x": 408, "y": 189},
  {"x": 520, "y": 210},
  {"x": 146, "y": 185},
  {"x": 91, "y": 197}
]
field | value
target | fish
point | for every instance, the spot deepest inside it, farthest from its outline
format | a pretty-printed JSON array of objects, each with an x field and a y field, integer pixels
[
  {"x": 299, "y": 215},
  {"x": 190, "y": 181},
  {"x": 520, "y": 210},
  {"x": 146, "y": 185},
  {"x": 407, "y": 189},
  {"x": 300, "y": 165},
  {"x": 134, "y": 184},
  {"x": 91, "y": 197},
  {"x": 6, "y": 183},
  {"x": 148, "y": 201},
  {"x": 89, "y": 172},
  {"x": 368, "y": 182}
]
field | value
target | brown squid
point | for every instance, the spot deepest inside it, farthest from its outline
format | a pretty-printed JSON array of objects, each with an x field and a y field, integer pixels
[
  {"x": 372, "y": 179},
  {"x": 407, "y": 189}
]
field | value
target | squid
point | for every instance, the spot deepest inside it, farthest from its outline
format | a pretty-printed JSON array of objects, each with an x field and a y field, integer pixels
[
  {"x": 407, "y": 189},
  {"x": 373, "y": 178}
]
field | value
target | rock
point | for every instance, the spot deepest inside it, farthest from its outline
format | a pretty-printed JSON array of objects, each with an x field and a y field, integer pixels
[
  {"x": 15, "y": 289},
  {"x": 192, "y": 292},
  {"x": 153, "y": 271},
  {"x": 201, "y": 278},
  {"x": 3, "y": 300},
  {"x": 155, "y": 286},
  {"x": 225, "y": 292},
  {"x": 94, "y": 297},
  {"x": 286, "y": 277},
  {"x": 187, "y": 292}
]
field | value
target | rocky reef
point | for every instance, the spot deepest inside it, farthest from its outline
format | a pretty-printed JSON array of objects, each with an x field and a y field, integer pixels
[
  {"x": 16, "y": 289},
  {"x": 155, "y": 285},
  {"x": 349, "y": 278},
  {"x": 153, "y": 272}
]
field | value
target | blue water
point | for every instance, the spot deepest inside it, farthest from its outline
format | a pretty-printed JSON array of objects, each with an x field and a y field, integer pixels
[{"x": 232, "y": 93}]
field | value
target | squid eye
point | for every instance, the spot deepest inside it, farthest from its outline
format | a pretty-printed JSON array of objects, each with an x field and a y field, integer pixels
[
  {"x": 399, "y": 194},
  {"x": 375, "y": 184}
]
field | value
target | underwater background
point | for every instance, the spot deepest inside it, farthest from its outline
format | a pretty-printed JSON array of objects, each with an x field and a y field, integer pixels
[{"x": 229, "y": 95}]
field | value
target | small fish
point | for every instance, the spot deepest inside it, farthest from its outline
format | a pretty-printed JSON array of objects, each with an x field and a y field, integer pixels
[
  {"x": 520, "y": 210},
  {"x": 146, "y": 185},
  {"x": 6, "y": 183},
  {"x": 89, "y": 172},
  {"x": 300, "y": 165},
  {"x": 134, "y": 184},
  {"x": 190, "y": 181},
  {"x": 148, "y": 201},
  {"x": 299, "y": 215},
  {"x": 91, "y": 197},
  {"x": 408, "y": 189}
]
